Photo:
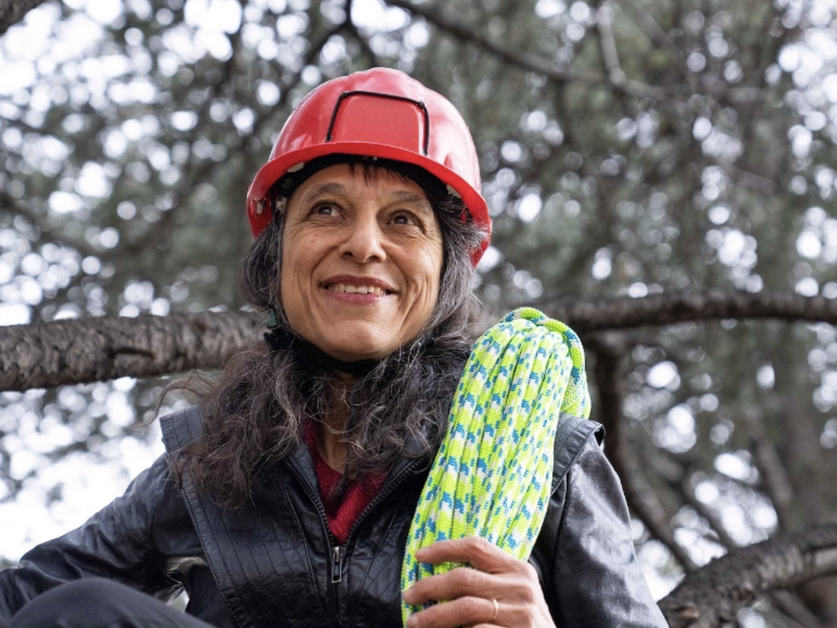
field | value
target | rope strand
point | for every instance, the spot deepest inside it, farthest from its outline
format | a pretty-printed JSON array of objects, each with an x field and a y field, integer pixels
[{"x": 493, "y": 472}]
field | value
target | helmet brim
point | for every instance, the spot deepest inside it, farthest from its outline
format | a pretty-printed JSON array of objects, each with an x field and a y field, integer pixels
[{"x": 260, "y": 212}]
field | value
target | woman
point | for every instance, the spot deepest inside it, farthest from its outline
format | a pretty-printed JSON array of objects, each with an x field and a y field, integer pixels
[{"x": 286, "y": 497}]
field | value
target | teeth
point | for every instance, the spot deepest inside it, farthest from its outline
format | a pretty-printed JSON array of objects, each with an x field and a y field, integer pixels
[{"x": 352, "y": 289}]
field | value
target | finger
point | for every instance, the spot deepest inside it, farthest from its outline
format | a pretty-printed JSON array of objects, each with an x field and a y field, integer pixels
[
  {"x": 472, "y": 550},
  {"x": 464, "y": 611},
  {"x": 459, "y": 582}
]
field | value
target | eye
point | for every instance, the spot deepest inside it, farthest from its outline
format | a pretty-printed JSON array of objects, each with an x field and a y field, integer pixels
[
  {"x": 324, "y": 209},
  {"x": 404, "y": 218}
]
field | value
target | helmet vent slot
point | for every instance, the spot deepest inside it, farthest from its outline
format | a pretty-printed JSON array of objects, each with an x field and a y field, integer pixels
[{"x": 361, "y": 116}]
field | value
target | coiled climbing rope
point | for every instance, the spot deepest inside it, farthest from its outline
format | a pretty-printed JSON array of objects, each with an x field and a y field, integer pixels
[{"x": 492, "y": 475}]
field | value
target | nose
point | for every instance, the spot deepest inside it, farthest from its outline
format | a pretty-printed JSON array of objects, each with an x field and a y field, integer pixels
[{"x": 364, "y": 241}]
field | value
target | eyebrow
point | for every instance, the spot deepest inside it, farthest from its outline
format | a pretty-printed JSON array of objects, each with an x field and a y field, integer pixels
[
  {"x": 416, "y": 199},
  {"x": 403, "y": 196},
  {"x": 325, "y": 188}
]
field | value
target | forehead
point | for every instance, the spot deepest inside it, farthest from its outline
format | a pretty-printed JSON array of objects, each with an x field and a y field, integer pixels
[{"x": 360, "y": 180}]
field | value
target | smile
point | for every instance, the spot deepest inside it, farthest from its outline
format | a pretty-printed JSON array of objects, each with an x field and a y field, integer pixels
[{"x": 352, "y": 289}]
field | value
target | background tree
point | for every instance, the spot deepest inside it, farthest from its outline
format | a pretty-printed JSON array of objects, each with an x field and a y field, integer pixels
[{"x": 661, "y": 175}]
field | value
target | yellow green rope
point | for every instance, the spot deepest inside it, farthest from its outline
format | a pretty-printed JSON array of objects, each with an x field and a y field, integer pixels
[{"x": 492, "y": 475}]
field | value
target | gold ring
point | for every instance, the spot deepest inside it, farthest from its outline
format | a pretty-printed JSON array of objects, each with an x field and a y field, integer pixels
[{"x": 496, "y": 610}]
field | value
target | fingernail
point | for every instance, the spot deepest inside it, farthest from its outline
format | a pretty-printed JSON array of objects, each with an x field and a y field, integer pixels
[
  {"x": 412, "y": 622},
  {"x": 408, "y": 595}
]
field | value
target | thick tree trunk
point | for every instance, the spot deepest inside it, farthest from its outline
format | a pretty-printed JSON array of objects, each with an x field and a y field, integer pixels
[
  {"x": 12, "y": 11},
  {"x": 43, "y": 355},
  {"x": 711, "y": 595}
]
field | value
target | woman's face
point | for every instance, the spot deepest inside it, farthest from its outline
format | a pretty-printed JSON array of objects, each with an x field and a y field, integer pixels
[{"x": 361, "y": 261}]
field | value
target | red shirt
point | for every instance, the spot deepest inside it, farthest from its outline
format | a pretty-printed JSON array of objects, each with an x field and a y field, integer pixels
[{"x": 342, "y": 509}]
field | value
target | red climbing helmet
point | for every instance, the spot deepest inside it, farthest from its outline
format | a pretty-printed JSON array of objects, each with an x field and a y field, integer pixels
[{"x": 377, "y": 113}]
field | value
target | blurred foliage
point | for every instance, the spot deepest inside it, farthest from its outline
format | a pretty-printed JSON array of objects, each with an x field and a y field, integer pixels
[{"x": 627, "y": 148}]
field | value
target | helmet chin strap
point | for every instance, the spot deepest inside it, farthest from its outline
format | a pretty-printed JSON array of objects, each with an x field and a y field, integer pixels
[
  {"x": 358, "y": 368},
  {"x": 280, "y": 339}
]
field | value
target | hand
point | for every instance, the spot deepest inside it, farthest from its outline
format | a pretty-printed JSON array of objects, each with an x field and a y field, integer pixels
[{"x": 470, "y": 591}]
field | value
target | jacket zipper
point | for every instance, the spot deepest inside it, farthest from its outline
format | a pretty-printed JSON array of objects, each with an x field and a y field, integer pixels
[
  {"x": 336, "y": 564},
  {"x": 334, "y": 548},
  {"x": 338, "y": 552},
  {"x": 385, "y": 491}
]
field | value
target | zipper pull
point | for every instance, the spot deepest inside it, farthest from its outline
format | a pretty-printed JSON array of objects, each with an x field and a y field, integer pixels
[{"x": 336, "y": 564}]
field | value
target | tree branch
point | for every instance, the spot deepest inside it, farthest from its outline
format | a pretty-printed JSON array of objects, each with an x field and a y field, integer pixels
[
  {"x": 655, "y": 33},
  {"x": 793, "y": 611},
  {"x": 607, "y": 45},
  {"x": 13, "y": 11},
  {"x": 586, "y": 315},
  {"x": 713, "y": 594},
  {"x": 466, "y": 33},
  {"x": 678, "y": 475},
  {"x": 53, "y": 233},
  {"x": 43, "y": 355},
  {"x": 76, "y": 351},
  {"x": 641, "y": 496},
  {"x": 774, "y": 474}
]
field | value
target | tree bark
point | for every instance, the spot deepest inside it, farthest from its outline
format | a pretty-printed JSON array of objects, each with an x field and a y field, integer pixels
[
  {"x": 712, "y": 595},
  {"x": 43, "y": 355},
  {"x": 13, "y": 11},
  {"x": 670, "y": 308}
]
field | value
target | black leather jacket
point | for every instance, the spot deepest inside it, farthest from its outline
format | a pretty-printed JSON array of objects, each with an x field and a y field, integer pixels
[{"x": 275, "y": 564}]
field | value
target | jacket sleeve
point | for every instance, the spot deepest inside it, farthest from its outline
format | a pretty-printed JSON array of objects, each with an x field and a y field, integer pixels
[
  {"x": 116, "y": 543},
  {"x": 592, "y": 577}
]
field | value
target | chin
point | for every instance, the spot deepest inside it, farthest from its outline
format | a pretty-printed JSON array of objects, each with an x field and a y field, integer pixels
[
  {"x": 359, "y": 348},
  {"x": 355, "y": 353},
  {"x": 362, "y": 340}
]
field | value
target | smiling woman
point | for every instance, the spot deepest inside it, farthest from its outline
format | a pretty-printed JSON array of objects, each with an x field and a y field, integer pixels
[
  {"x": 361, "y": 262},
  {"x": 306, "y": 486}
]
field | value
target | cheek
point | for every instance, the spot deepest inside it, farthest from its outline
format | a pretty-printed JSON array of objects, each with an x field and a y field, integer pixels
[
  {"x": 289, "y": 275},
  {"x": 430, "y": 277},
  {"x": 286, "y": 286},
  {"x": 437, "y": 262},
  {"x": 292, "y": 278}
]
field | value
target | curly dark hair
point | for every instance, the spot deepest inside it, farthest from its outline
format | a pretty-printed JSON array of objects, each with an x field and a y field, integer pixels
[{"x": 256, "y": 413}]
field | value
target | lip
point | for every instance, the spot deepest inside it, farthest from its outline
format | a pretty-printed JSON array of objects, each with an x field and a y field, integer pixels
[{"x": 356, "y": 281}]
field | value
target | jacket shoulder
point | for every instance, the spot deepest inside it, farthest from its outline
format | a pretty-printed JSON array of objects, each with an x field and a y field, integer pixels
[
  {"x": 570, "y": 438},
  {"x": 181, "y": 428},
  {"x": 585, "y": 549}
]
